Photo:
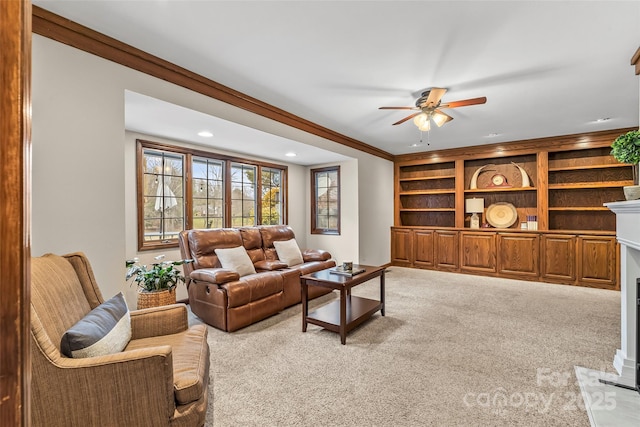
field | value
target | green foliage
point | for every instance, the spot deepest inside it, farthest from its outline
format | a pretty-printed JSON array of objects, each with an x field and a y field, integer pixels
[
  {"x": 159, "y": 276},
  {"x": 270, "y": 211},
  {"x": 626, "y": 147}
]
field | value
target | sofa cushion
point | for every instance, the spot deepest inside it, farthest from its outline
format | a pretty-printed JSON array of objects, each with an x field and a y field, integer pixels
[
  {"x": 104, "y": 330},
  {"x": 190, "y": 353},
  {"x": 288, "y": 252},
  {"x": 272, "y": 233},
  {"x": 252, "y": 242},
  {"x": 203, "y": 243},
  {"x": 236, "y": 259},
  {"x": 253, "y": 288}
]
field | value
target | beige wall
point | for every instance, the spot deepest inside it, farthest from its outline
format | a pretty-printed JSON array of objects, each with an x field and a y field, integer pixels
[{"x": 84, "y": 179}]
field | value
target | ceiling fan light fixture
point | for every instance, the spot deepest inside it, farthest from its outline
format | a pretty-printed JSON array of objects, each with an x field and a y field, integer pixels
[
  {"x": 421, "y": 119},
  {"x": 439, "y": 118}
]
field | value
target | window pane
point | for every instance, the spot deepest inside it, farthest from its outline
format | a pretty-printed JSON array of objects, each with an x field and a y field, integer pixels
[
  {"x": 199, "y": 169},
  {"x": 333, "y": 178},
  {"x": 236, "y": 210},
  {"x": 152, "y": 229},
  {"x": 152, "y": 163},
  {"x": 322, "y": 222},
  {"x": 200, "y": 222},
  {"x": 216, "y": 189}
]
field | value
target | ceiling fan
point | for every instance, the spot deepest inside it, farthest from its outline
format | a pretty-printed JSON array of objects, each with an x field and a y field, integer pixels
[{"x": 429, "y": 108}]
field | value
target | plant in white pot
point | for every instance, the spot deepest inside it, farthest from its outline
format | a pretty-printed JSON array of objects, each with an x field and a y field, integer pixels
[
  {"x": 626, "y": 149},
  {"x": 156, "y": 283}
]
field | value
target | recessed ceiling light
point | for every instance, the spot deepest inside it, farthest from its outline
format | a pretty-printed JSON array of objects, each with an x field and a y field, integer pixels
[
  {"x": 290, "y": 154},
  {"x": 603, "y": 119},
  {"x": 492, "y": 135},
  {"x": 205, "y": 134},
  {"x": 415, "y": 145}
]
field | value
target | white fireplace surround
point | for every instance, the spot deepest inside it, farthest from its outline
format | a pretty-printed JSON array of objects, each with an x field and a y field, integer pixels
[{"x": 628, "y": 235}]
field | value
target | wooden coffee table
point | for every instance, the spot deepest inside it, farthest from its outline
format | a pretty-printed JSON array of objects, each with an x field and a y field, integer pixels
[{"x": 349, "y": 311}]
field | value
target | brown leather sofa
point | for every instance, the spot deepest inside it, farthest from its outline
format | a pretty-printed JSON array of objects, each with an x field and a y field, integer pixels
[{"x": 229, "y": 302}]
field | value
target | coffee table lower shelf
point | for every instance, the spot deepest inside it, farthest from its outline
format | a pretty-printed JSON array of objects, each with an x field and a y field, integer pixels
[{"x": 358, "y": 310}]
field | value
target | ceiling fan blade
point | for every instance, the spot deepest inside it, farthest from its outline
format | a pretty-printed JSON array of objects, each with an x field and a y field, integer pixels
[
  {"x": 397, "y": 108},
  {"x": 465, "y": 102},
  {"x": 411, "y": 116},
  {"x": 435, "y": 95}
]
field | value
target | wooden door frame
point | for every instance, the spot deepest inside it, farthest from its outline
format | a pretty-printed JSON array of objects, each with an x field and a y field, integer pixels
[{"x": 15, "y": 194}]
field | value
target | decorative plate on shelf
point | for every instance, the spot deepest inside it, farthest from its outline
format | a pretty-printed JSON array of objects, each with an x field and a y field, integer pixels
[{"x": 501, "y": 215}]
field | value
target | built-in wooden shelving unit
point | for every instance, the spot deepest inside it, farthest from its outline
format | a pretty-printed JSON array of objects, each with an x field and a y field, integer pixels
[{"x": 570, "y": 178}]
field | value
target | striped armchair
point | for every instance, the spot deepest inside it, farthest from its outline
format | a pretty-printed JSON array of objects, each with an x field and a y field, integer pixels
[{"x": 159, "y": 379}]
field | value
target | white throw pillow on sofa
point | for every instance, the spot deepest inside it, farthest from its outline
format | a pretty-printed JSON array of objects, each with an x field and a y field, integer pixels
[
  {"x": 288, "y": 252},
  {"x": 236, "y": 259}
]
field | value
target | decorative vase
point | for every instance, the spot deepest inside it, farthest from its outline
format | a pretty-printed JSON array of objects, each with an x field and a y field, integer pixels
[
  {"x": 632, "y": 192},
  {"x": 156, "y": 299}
]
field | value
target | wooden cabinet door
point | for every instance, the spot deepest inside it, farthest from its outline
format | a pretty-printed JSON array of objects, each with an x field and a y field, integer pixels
[
  {"x": 446, "y": 249},
  {"x": 518, "y": 255},
  {"x": 558, "y": 258},
  {"x": 597, "y": 261},
  {"x": 424, "y": 242},
  {"x": 401, "y": 247},
  {"x": 478, "y": 252}
]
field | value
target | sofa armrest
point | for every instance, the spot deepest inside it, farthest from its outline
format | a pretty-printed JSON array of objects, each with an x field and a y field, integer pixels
[
  {"x": 155, "y": 321},
  {"x": 315, "y": 255},
  {"x": 215, "y": 276},
  {"x": 265, "y": 265}
]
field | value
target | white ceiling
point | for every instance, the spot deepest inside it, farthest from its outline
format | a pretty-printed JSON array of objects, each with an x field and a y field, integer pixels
[
  {"x": 155, "y": 117},
  {"x": 546, "y": 67}
]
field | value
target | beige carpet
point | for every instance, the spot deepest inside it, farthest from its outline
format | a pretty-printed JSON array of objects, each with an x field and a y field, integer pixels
[{"x": 452, "y": 350}]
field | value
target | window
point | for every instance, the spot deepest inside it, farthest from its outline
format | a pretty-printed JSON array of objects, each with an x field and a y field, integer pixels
[
  {"x": 243, "y": 195},
  {"x": 163, "y": 196},
  {"x": 325, "y": 200},
  {"x": 208, "y": 193},
  {"x": 183, "y": 189}
]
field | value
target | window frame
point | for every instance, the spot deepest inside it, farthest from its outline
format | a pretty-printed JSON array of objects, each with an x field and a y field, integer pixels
[
  {"x": 314, "y": 202},
  {"x": 189, "y": 154}
]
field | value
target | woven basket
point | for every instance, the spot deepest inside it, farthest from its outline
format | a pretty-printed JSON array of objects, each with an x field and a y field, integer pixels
[{"x": 156, "y": 299}]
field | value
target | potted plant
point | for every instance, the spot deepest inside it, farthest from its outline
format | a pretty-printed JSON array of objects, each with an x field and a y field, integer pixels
[
  {"x": 626, "y": 149},
  {"x": 156, "y": 283}
]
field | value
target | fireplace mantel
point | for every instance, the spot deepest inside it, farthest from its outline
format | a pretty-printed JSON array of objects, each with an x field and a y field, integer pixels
[{"x": 628, "y": 235}]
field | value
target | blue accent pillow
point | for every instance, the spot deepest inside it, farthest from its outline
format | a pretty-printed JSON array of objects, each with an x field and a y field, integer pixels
[{"x": 104, "y": 330}]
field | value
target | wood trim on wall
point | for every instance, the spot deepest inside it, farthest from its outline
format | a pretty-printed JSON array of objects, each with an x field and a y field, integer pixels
[
  {"x": 60, "y": 29},
  {"x": 15, "y": 245}
]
